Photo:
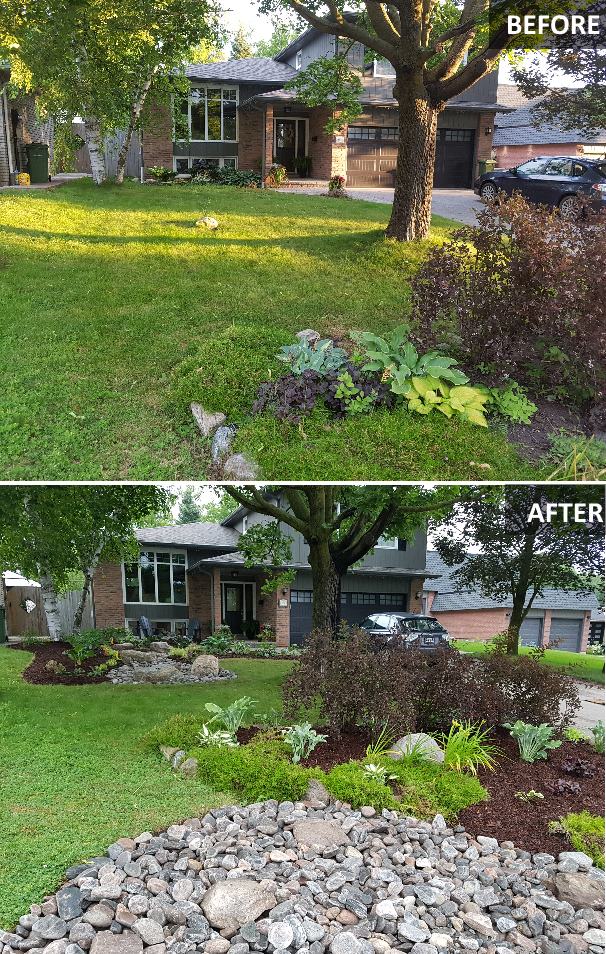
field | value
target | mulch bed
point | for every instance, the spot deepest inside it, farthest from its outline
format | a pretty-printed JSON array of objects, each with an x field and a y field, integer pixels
[
  {"x": 551, "y": 417},
  {"x": 44, "y": 652},
  {"x": 336, "y": 749},
  {"x": 508, "y": 818}
]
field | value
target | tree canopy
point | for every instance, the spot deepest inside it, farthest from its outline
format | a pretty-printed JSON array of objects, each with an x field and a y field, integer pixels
[
  {"x": 241, "y": 45},
  {"x": 521, "y": 555}
]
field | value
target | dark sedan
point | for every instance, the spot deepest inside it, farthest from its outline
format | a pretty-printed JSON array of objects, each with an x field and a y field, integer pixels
[
  {"x": 555, "y": 181},
  {"x": 406, "y": 629}
]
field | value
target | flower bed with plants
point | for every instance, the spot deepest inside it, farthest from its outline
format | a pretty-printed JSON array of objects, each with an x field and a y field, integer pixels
[
  {"x": 418, "y": 733},
  {"x": 79, "y": 659}
]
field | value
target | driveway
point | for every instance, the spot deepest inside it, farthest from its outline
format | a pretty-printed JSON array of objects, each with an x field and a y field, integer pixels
[
  {"x": 592, "y": 705},
  {"x": 460, "y": 205}
]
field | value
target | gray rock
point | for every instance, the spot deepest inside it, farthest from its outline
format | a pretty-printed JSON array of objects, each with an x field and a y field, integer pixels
[
  {"x": 205, "y": 665},
  {"x": 72, "y": 948},
  {"x": 577, "y": 857},
  {"x": 346, "y": 943},
  {"x": 209, "y": 222},
  {"x": 316, "y": 793},
  {"x": 505, "y": 924},
  {"x": 158, "y": 674},
  {"x": 189, "y": 767},
  {"x": 280, "y": 934},
  {"x": 421, "y": 948},
  {"x": 106, "y": 942},
  {"x": 148, "y": 930},
  {"x": 240, "y": 467},
  {"x": 236, "y": 902},
  {"x": 478, "y": 922},
  {"x": 595, "y": 937},
  {"x": 160, "y": 646},
  {"x": 308, "y": 336},
  {"x": 50, "y": 927},
  {"x": 58, "y": 947},
  {"x": 69, "y": 903},
  {"x": 412, "y": 929},
  {"x": 579, "y": 890},
  {"x": 222, "y": 441},
  {"x": 82, "y": 934},
  {"x": 319, "y": 832},
  {"x": 417, "y": 741},
  {"x": 207, "y": 421}
]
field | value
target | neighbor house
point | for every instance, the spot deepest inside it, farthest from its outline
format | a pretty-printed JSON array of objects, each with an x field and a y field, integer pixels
[
  {"x": 192, "y": 578},
  {"x": 20, "y": 126},
  {"x": 559, "y": 619},
  {"x": 240, "y": 115},
  {"x": 517, "y": 137}
]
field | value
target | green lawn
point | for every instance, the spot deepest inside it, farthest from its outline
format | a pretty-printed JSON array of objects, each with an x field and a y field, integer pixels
[
  {"x": 116, "y": 312},
  {"x": 578, "y": 665},
  {"x": 73, "y": 777}
]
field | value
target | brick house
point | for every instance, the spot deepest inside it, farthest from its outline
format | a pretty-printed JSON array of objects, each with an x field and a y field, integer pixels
[
  {"x": 191, "y": 578},
  {"x": 517, "y": 138},
  {"x": 240, "y": 115},
  {"x": 559, "y": 620}
]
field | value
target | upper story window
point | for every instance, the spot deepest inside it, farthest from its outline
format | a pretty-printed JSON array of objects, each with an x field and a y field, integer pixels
[
  {"x": 299, "y": 59},
  {"x": 387, "y": 543},
  {"x": 244, "y": 524},
  {"x": 211, "y": 114},
  {"x": 383, "y": 67},
  {"x": 157, "y": 577}
]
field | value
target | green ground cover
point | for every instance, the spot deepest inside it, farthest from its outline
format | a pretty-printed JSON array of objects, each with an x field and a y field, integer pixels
[
  {"x": 117, "y": 312},
  {"x": 579, "y": 665}
]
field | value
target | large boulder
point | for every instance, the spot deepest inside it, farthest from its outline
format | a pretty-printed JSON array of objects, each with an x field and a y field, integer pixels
[
  {"x": 580, "y": 890},
  {"x": 205, "y": 665},
  {"x": 418, "y": 742},
  {"x": 230, "y": 904},
  {"x": 156, "y": 674},
  {"x": 160, "y": 646},
  {"x": 135, "y": 657}
]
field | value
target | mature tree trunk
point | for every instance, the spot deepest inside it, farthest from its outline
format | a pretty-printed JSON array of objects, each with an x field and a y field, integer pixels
[
  {"x": 135, "y": 114},
  {"x": 418, "y": 120},
  {"x": 326, "y": 585},
  {"x": 50, "y": 601},
  {"x": 94, "y": 144},
  {"x": 88, "y": 579},
  {"x": 513, "y": 630}
]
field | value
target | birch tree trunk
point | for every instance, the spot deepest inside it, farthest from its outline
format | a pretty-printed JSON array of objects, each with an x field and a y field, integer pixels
[
  {"x": 50, "y": 601},
  {"x": 94, "y": 144},
  {"x": 88, "y": 579},
  {"x": 418, "y": 120},
  {"x": 135, "y": 115}
]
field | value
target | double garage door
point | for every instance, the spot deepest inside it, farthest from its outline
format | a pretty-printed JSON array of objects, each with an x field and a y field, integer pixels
[
  {"x": 564, "y": 634},
  {"x": 354, "y": 608},
  {"x": 372, "y": 153}
]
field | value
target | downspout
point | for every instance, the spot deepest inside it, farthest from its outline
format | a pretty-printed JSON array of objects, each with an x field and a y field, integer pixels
[{"x": 209, "y": 574}]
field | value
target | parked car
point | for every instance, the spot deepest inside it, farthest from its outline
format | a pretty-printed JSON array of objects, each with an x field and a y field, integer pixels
[
  {"x": 555, "y": 181},
  {"x": 406, "y": 629}
]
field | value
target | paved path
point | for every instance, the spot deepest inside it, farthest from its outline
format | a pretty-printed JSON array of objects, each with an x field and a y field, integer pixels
[
  {"x": 460, "y": 205},
  {"x": 592, "y": 705},
  {"x": 61, "y": 179}
]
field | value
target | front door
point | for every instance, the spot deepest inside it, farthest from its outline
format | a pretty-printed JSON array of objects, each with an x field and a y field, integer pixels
[
  {"x": 290, "y": 142},
  {"x": 233, "y": 606}
]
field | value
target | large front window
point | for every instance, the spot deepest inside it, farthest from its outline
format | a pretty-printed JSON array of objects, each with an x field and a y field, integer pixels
[
  {"x": 157, "y": 577},
  {"x": 211, "y": 114}
]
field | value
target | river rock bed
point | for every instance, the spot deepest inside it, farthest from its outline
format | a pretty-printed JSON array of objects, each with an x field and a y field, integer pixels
[
  {"x": 287, "y": 878},
  {"x": 164, "y": 673}
]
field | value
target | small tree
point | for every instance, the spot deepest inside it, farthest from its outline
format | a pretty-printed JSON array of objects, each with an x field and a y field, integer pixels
[
  {"x": 189, "y": 508},
  {"x": 241, "y": 47},
  {"x": 341, "y": 525},
  {"x": 50, "y": 532},
  {"x": 284, "y": 31},
  {"x": 521, "y": 553}
]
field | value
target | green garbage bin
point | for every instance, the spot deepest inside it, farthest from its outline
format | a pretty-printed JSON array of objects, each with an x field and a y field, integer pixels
[
  {"x": 2, "y": 626},
  {"x": 486, "y": 165},
  {"x": 37, "y": 162}
]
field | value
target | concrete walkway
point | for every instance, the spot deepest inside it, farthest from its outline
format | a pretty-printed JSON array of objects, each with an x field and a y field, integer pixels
[
  {"x": 58, "y": 180},
  {"x": 460, "y": 205},
  {"x": 592, "y": 705}
]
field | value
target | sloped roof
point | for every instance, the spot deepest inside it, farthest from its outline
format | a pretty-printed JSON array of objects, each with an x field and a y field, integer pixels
[
  {"x": 449, "y": 600},
  {"x": 199, "y": 534},
  {"x": 516, "y": 129},
  {"x": 237, "y": 559},
  {"x": 254, "y": 69}
]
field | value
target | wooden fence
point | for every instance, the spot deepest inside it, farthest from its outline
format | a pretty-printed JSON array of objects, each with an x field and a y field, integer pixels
[
  {"x": 111, "y": 148},
  {"x": 22, "y": 617}
]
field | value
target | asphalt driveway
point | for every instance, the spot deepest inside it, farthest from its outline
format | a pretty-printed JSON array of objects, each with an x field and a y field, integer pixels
[{"x": 460, "y": 205}]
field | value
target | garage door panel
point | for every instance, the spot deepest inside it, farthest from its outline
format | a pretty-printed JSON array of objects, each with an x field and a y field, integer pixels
[
  {"x": 372, "y": 153},
  {"x": 355, "y": 607},
  {"x": 565, "y": 634},
  {"x": 531, "y": 631}
]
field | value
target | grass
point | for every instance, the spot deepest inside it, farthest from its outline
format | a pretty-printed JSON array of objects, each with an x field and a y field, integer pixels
[
  {"x": 75, "y": 776},
  {"x": 117, "y": 312},
  {"x": 579, "y": 665}
]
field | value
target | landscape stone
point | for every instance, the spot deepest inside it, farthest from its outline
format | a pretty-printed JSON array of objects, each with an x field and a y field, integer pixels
[
  {"x": 50, "y": 927},
  {"x": 148, "y": 930},
  {"x": 319, "y": 832},
  {"x": 205, "y": 665},
  {"x": 207, "y": 421},
  {"x": 236, "y": 902},
  {"x": 69, "y": 903},
  {"x": 106, "y": 942},
  {"x": 240, "y": 467},
  {"x": 579, "y": 890},
  {"x": 417, "y": 741}
]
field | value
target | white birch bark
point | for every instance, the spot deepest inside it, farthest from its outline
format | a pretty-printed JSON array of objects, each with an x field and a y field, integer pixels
[
  {"x": 94, "y": 144},
  {"x": 135, "y": 114},
  {"x": 50, "y": 601}
]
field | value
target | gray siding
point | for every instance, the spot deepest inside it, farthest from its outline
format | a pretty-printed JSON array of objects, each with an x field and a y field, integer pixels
[
  {"x": 320, "y": 46},
  {"x": 484, "y": 91}
]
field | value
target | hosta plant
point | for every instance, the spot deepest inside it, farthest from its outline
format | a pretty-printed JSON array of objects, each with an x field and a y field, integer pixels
[
  {"x": 321, "y": 357},
  {"x": 232, "y": 716},
  {"x": 530, "y": 796},
  {"x": 302, "y": 740},
  {"x": 378, "y": 772},
  {"x": 427, "y": 394},
  {"x": 598, "y": 737},
  {"x": 534, "y": 741},
  {"x": 216, "y": 737},
  {"x": 400, "y": 360}
]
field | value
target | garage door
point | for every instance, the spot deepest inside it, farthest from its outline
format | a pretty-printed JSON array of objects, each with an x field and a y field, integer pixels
[
  {"x": 454, "y": 159},
  {"x": 372, "y": 152},
  {"x": 530, "y": 632},
  {"x": 354, "y": 608},
  {"x": 565, "y": 634}
]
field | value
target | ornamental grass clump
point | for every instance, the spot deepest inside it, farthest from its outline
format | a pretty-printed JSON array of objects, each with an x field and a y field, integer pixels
[
  {"x": 534, "y": 741},
  {"x": 467, "y": 748}
]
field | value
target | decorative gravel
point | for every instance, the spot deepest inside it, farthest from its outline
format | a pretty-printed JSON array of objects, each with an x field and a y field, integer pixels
[
  {"x": 293, "y": 879},
  {"x": 174, "y": 673}
]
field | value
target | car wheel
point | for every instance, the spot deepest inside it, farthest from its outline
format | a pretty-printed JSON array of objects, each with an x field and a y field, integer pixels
[
  {"x": 489, "y": 192},
  {"x": 569, "y": 207}
]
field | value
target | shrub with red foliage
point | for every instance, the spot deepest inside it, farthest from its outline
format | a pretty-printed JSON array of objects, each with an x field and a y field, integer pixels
[
  {"x": 347, "y": 682},
  {"x": 522, "y": 295}
]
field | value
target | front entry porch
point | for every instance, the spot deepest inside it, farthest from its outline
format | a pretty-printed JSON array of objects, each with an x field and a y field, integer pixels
[{"x": 291, "y": 143}]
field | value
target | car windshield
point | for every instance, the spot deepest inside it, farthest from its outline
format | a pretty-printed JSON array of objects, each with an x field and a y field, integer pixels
[
  {"x": 376, "y": 622},
  {"x": 602, "y": 168}
]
